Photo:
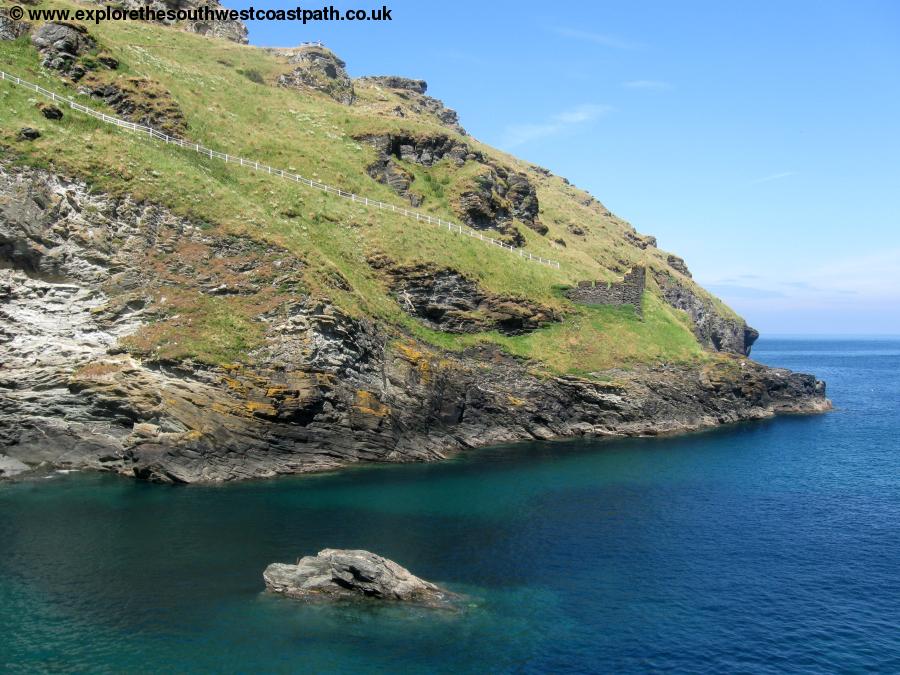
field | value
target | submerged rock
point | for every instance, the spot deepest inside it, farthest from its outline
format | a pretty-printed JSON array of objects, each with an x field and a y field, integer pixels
[{"x": 336, "y": 574}]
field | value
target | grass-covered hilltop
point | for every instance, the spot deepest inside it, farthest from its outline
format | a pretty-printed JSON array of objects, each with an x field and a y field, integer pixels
[{"x": 179, "y": 318}]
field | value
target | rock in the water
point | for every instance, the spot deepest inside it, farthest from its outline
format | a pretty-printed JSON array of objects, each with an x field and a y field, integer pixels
[{"x": 336, "y": 574}]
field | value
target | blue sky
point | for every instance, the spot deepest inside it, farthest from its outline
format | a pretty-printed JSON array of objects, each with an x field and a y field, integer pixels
[{"x": 758, "y": 140}]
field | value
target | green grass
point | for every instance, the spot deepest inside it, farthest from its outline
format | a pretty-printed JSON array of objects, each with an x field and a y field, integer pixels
[{"x": 227, "y": 94}]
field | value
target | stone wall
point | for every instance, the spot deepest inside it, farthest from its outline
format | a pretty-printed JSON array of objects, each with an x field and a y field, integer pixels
[{"x": 626, "y": 292}]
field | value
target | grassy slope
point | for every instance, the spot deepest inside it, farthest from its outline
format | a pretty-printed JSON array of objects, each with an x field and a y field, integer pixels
[{"x": 307, "y": 132}]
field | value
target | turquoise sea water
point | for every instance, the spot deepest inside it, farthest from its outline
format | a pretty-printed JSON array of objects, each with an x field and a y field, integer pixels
[{"x": 767, "y": 547}]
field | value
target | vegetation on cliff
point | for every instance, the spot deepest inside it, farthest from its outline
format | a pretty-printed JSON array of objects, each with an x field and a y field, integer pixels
[{"x": 238, "y": 99}]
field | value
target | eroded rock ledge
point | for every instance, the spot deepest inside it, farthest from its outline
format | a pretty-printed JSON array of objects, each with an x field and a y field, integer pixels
[
  {"x": 82, "y": 273},
  {"x": 447, "y": 301}
]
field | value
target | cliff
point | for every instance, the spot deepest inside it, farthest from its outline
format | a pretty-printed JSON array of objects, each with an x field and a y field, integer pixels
[{"x": 171, "y": 318}]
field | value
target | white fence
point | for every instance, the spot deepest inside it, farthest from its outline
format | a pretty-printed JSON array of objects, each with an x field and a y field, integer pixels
[{"x": 264, "y": 168}]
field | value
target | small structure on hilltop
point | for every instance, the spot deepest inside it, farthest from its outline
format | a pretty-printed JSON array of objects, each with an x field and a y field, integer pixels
[{"x": 629, "y": 291}]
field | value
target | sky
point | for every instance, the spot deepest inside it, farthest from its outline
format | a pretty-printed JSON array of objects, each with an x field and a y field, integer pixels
[{"x": 758, "y": 140}]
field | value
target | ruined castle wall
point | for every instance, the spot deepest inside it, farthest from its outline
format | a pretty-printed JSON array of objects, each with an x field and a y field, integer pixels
[{"x": 629, "y": 291}]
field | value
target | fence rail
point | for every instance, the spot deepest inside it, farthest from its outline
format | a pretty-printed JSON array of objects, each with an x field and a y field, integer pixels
[{"x": 149, "y": 132}]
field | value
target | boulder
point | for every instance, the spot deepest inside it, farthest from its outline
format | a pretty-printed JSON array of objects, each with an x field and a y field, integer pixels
[
  {"x": 51, "y": 112},
  {"x": 28, "y": 134},
  {"x": 336, "y": 574}
]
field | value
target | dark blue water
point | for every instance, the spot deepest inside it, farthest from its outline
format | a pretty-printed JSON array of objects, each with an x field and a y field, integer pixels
[{"x": 769, "y": 547}]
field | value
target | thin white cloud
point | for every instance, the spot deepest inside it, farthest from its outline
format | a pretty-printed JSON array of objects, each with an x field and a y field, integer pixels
[
  {"x": 602, "y": 39},
  {"x": 520, "y": 134},
  {"x": 842, "y": 280},
  {"x": 774, "y": 176},
  {"x": 648, "y": 85}
]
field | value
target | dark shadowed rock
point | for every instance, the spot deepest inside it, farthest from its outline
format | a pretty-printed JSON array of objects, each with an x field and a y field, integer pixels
[
  {"x": 51, "y": 112},
  {"x": 446, "y": 300},
  {"x": 335, "y": 574},
  {"x": 60, "y": 45},
  {"x": 641, "y": 241},
  {"x": 143, "y": 101},
  {"x": 28, "y": 134},
  {"x": 678, "y": 265}
]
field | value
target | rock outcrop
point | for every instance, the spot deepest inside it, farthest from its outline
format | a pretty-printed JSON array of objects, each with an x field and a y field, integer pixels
[
  {"x": 678, "y": 265},
  {"x": 89, "y": 283},
  {"x": 335, "y": 574},
  {"x": 396, "y": 82},
  {"x": 496, "y": 198},
  {"x": 60, "y": 45},
  {"x": 492, "y": 200},
  {"x": 225, "y": 29},
  {"x": 143, "y": 101},
  {"x": 445, "y": 300},
  {"x": 414, "y": 101},
  {"x": 427, "y": 151},
  {"x": 10, "y": 29},
  {"x": 317, "y": 69},
  {"x": 641, "y": 241},
  {"x": 712, "y": 326}
]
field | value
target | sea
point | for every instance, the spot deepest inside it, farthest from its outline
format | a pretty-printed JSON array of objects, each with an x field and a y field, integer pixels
[{"x": 763, "y": 547}]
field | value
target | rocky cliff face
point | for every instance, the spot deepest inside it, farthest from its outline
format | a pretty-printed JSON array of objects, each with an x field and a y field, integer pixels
[
  {"x": 83, "y": 276},
  {"x": 712, "y": 327}
]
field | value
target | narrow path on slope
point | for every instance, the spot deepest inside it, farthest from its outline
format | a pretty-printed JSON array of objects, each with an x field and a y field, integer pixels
[{"x": 149, "y": 132}]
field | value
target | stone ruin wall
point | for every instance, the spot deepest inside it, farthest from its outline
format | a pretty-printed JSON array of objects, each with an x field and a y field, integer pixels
[{"x": 629, "y": 291}]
